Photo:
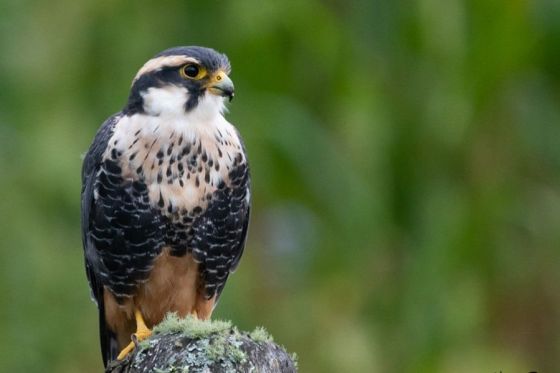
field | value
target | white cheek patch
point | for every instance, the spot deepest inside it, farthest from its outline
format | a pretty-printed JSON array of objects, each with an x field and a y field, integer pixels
[
  {"x": 165, "y": 100},
  {"x": 171, "y": 101}
]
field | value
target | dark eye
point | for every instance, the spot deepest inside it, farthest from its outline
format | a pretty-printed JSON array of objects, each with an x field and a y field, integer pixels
[{"x": 191, "y": 70}]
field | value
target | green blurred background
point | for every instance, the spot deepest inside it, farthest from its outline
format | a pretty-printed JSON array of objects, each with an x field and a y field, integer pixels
[{"x": 406, "y": 175}]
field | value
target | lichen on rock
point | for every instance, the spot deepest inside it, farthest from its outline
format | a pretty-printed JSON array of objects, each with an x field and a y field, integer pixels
[{"x": 192, "y": 345}]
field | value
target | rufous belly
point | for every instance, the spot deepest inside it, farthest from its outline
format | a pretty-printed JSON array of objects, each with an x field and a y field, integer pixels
[{"x": 174, "y": 285}]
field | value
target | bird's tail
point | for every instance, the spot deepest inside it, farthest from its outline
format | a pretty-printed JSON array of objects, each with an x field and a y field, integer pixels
[{"x": 108, "y": 339}]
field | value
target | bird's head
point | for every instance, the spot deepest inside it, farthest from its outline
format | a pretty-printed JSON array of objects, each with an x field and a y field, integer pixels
[{"x": 182, "y": 80}]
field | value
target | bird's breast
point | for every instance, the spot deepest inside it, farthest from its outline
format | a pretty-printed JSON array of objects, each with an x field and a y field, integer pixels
[{"x": 182, "y": 164}]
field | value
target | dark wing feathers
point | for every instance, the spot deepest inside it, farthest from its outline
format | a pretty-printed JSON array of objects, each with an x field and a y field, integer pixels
[
  {"x": 242, "y": 181},
  {"x": 218, "y": 235},
  {"x": 241, "y": 246},
  {"x": 90, "y": 167}
]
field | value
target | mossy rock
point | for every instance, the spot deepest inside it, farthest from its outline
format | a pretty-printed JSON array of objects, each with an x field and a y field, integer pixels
[{"x": 191, "y": 345}]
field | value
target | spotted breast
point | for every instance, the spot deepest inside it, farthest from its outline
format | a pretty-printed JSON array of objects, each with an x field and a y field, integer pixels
[{"x": 171, "y": 184}]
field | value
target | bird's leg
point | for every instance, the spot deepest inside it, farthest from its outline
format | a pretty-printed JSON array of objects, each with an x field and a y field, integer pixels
[
  {"x": 204, "y": 307},
  {"x": 142, "y": 332}
]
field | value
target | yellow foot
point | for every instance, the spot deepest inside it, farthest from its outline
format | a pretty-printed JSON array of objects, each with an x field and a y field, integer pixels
[
  {"x": 125, "y": 351},
  {"x": 142, "y": 332}
]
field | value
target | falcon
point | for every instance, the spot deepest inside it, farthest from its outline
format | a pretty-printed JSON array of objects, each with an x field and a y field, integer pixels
[{"x": 165, "y": 198}]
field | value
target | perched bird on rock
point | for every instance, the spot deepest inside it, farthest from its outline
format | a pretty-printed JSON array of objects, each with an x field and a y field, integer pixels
[{"x": 165, "y": 198}]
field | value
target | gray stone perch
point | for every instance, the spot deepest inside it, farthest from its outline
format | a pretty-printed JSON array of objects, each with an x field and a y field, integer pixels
[{"x": 191, "y": 345}]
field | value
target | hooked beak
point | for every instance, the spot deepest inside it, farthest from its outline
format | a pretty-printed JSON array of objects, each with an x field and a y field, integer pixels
[{"x": 221, "y": 85}]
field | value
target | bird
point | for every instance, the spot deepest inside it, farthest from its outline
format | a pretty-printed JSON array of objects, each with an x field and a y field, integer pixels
[{"x": 165, "y": 198}]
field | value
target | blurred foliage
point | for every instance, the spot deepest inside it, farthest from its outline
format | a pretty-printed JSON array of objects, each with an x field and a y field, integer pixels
[{"x": 406, "y": 173}]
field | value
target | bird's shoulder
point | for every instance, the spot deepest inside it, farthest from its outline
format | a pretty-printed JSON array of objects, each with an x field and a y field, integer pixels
[{"x": 98, "y": 146}]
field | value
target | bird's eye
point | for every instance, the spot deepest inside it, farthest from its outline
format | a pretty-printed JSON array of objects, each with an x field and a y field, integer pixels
[{"x": 192, "y": 71}]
